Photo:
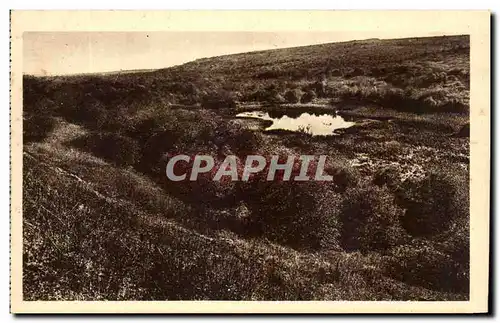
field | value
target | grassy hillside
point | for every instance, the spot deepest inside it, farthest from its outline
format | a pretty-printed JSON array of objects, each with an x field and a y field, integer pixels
[{"x": 102, "y": 221}]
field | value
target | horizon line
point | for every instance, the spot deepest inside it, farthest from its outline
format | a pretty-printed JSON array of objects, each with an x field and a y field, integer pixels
[{"x": 149, "y": 70}]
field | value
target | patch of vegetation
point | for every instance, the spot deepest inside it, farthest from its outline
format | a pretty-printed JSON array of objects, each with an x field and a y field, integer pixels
[
  {"x": 289, "y": 213},
  {"x": 292, "y": 96},
  {"x": 219, "y": 100},
  {"x": 433, "y": 202},
  {"x": 388, "y": 176},
  {"x": 392, "y": 225},
  {"x": 37, "y": 127},
  {"x": 113, "y": 147},
  {"x": 422, "y": 264},
  {"x": 308, "y": 96},
  {"x": 369, "y": 219},
  {"x": 344, "y": 178}
]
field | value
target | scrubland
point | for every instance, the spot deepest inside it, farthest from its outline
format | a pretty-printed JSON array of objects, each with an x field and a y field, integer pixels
[{"x": 101, "y": 221}]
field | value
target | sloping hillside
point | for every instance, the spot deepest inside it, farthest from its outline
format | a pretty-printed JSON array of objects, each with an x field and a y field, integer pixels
[{"x": 102, "y": 221}]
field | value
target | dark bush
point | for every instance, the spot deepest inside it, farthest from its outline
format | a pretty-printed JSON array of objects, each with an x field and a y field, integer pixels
[
  {"x": 277, "y": 99},
  {"x": 155, "y": 146},
  {"x": 259, "y": 95},
  {"x": 204, "y": 192},
  {"x": 456, "y": 243},
  {"x": 308, "y": 97},
  {"x": 245, "y": 142},
  {"x": 378, "y": 71},
  {"x": 180, "y": 130},
  {"x": 319, "y": 88},
  {"x": 433, "y": 203},
  {"x": 300, "y": 140},
  {"x": 269, "y": 94},
  {"x": 270, "y": 73},
  {"x": 369, "y": 219},
  {"x": 219, "y": 100},
  {"x": 344, "y": 177},
  {"x": 292, "y": 96},
  {"x": 288, "y": 213},
  {"x": 388, "y": 176}
]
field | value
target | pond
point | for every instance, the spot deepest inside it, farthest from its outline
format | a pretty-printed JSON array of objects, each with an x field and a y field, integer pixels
[{"x": 314, "y": 124}]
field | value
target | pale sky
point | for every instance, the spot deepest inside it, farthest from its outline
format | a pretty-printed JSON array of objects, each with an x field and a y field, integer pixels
[{"x": 58, "y": 53}]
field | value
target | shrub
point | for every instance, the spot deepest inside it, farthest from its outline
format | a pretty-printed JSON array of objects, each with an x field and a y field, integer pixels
[
  {"x": 300, "y": 140},
  {"x": 278, "y": 98},
  {"x": 308, "y": 96},
  {"x": 292, "y": 96},
  {"x": 369, "y": 219},
  {"x": 219, "y": 100},
  {"x": 355, "y": 72},
  {"x": 388, "y": 176},
  {"x": 93, "y": 114},
  {"x": 246, "y": 142},
  {"x": 289, "y": 213},
  {"x": 344, "y": 177},
  {"x": 155, "y": 146},
  {"x": 115, "y": 121},
  {"x": 378, "y": 71},
  {"x": 456, "y": 243},
  {"x": 179, "y": 130},
  {"x": 433, "y": 203},
  {"x": 34, "y": 90},
  {"x": 319, "y": 87},
  {"x": 205, "y": 192},
  {"x": 87, "y": 111},
  {"x": 269, "y": 94}
]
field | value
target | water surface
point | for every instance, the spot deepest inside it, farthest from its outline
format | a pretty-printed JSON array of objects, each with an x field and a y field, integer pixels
[{"x": 314, "y": 124}]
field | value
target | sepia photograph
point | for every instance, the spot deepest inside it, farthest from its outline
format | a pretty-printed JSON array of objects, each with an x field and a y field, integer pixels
[{"x": 246, "y": 165}]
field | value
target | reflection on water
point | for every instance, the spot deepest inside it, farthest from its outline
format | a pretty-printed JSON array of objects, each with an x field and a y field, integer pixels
[{"x": 316, "y": 125}]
